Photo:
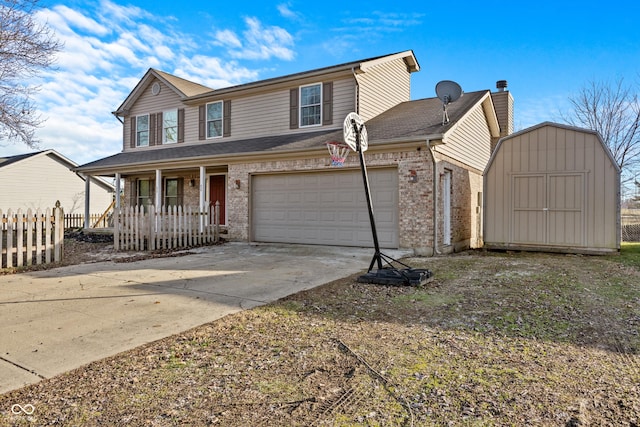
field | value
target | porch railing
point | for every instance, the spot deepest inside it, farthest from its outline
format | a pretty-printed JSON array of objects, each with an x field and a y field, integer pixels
[{"x": 172, "y": 227}]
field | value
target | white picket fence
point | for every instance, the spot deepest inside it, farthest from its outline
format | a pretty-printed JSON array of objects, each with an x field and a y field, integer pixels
[
  {"x": 34, "y": 237},
  {"x": 168, "y": 228}
]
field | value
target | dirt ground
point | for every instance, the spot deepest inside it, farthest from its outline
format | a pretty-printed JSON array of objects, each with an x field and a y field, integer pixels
[{"x": 492, "y": 339}]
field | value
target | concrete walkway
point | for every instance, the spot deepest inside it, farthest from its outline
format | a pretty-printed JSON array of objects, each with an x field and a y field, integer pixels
[{"x": 56, "y": 320}]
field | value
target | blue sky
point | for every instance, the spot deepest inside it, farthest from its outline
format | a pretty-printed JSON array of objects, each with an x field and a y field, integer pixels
[{"x": 546, "y": 50}]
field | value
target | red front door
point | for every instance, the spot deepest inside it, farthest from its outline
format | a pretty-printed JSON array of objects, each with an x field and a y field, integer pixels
[{"x": 218, "y": 192}]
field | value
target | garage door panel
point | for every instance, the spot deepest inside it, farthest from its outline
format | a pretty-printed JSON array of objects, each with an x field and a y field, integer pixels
[{"x": 326, "y": 208}]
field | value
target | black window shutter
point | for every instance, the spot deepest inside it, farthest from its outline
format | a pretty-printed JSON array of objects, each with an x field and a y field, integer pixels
[
  {"x": 293, "y": 108},
  {"x": 180, "y": 125},
  {"x": 152, "y": 130},
  {"x": 327, "y": 103},
  {"x": 152, "y": 192},
  {"x": 133, "y": 200},
  {"x": 226, "y": 118},
  {"x": 132, "y": 143},
  {"x": 179, "y": 202},
  {"x": 202, "y": 122}
]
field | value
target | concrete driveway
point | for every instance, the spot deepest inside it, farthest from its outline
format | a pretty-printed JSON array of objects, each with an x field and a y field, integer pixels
[{"x": 56, "y": 320}]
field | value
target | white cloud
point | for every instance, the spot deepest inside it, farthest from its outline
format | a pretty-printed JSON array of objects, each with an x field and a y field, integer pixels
[
  {"x": 212, "y": 72},
  {"x": 264, "y": 42},
  {"x": 285, "y": 11},
  {"x": 108, "y": 48},
  {"x": 81, "y": 22},
  {"x": 227, "y": 38}
]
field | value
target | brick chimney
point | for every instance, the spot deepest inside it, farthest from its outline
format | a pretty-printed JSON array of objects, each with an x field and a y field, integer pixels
[{"x": 503, "y": 104}]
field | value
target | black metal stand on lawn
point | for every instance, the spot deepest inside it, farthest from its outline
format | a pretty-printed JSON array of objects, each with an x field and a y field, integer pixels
[{"x": 388, "y": 275}]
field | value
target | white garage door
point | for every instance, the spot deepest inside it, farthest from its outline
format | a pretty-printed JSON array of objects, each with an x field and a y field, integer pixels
[{"x": 325, "y": 208}]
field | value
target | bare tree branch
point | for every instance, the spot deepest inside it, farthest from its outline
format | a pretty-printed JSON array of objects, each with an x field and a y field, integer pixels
[
  {"x": 26, "y": 49},
  {"x": 614, "y": 111}
]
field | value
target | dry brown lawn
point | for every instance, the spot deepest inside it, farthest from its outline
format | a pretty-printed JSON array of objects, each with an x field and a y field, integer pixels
[{"x": 493, "y": 339}]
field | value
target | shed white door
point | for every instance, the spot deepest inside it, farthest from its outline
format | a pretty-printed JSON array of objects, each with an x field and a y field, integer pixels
[
  {"x": 325, "y": 208},
  {"x": 548, "y": 209}
]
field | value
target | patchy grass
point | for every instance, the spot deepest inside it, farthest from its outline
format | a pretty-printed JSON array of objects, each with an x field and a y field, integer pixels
[{"x": 493, "y": 339}]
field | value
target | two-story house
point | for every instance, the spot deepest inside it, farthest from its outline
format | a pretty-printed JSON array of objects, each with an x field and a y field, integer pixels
[{"x": 260, "y": 150}]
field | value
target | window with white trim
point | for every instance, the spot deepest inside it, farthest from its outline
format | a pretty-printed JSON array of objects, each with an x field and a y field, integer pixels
[
  {"x": 170, "y": 127},
  {"x": 214, "y": 119},
  {"x": 311, "y": 105},
  {"x": 172, "y": 192},
  {"x": 145, "y": 193},
  {"x": 142, "y": 131}
]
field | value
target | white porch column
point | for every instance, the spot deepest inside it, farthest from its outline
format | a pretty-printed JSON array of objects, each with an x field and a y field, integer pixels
[
  {"x": 158, "y": 193},
  {"x": 202, "y": 197},
  {"x": 87, "y": 198},
  {"x": 117, "y": 190}
]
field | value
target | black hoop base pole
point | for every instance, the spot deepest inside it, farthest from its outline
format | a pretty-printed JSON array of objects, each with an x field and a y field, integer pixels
[{"x": 384, "y": 275}]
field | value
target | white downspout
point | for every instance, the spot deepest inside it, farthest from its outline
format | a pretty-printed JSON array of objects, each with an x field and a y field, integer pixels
[{"x": 432, "y": 149}]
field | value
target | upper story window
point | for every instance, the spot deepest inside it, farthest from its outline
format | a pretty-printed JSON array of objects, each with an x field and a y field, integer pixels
[
  {"x": 214, "y": 119},
  {"x": 170, "y": 127},
  {"x": 142, "y": 131},
  {"x": 311, "y": 105}
]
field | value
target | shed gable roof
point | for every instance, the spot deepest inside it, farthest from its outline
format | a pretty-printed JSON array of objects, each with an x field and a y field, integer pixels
[{"x": 551, "y": 124}]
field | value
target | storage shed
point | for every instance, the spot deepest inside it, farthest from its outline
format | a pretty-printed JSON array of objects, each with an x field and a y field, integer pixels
[{"x": 552, "y": 187}]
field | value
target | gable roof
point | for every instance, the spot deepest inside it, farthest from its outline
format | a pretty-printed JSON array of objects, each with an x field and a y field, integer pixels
[
  {"x": 6, "y": 162},
  {"x": 182, "y": 87},
  {"x": 421, "y": 118},
  {"x": 556, "y": 125},
  {"x": 409, "y": 121},
  {"x": 358, "y": 66},
  {"x": 194, "y": 92}
]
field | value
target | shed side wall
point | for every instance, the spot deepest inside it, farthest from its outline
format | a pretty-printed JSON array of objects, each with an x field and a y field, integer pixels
[{"x": 552, "y": 152}]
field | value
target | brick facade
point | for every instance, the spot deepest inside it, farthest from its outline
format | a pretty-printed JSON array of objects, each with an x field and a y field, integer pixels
[{"x": 415, "y": 190}]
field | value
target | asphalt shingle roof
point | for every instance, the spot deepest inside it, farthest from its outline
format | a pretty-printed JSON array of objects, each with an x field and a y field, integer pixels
[{"x": 410, "y": 120}]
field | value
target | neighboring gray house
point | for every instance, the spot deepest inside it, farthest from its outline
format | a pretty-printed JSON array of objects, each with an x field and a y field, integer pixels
[
  {"x": 38, "y": 180},
  {"x": 260, "y": 150},
  {"x": 552, "y": 187}
]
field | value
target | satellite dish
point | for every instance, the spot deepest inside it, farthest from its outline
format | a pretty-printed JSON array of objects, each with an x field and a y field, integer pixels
[
  {"x": 350, "y": 133},
  {"x": 448, "y": 91}
]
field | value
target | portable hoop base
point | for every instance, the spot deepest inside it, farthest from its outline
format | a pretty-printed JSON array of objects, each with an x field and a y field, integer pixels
[{"x": 393, "y": 276}]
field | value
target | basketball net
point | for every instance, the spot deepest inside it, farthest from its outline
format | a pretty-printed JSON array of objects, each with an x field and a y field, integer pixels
[{"x": 338, "y": 152}]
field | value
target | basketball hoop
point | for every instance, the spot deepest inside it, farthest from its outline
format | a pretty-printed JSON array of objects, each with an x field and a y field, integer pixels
[{"x": 338, "y": 152}]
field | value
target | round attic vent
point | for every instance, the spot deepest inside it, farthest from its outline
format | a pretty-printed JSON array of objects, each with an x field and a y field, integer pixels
[{"x": 155, "y": 88}]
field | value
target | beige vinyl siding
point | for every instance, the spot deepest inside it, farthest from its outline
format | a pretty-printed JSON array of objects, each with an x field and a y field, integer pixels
[
  {"x": 41, "y": 180},
  {"x": 257, "y": 115},
  {"x": 470, "y": 142},
  {"x": 268, "y": 113},
  {"x": 552, "y": 186},
  {"x": 382, "y": 87},
  {"x": 148, "y": 103}
]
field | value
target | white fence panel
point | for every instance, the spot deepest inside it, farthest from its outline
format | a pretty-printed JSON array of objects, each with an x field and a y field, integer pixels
[
  {"x": 168, "y": 227},
  {"x": 31, "y": 237}
]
